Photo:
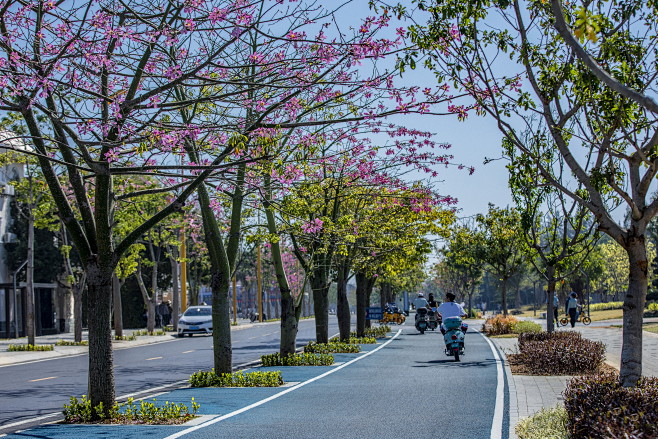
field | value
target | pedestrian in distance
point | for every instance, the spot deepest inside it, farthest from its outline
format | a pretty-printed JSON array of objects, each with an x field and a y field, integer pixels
[{"x": 571, "y": 308}]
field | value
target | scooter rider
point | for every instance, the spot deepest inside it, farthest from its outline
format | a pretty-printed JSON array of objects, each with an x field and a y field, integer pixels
[
  {"x": 420, "y": 302},
  {"x": 433, "y": 304},
  {"x": 450, "y": 309}
]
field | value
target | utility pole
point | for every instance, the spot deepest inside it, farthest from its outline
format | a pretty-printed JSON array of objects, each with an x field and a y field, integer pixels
[{"x": 183, "y": 271}]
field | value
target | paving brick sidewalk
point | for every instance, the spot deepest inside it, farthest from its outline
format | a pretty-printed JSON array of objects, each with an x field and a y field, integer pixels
[{"x": 529, "y": 394}]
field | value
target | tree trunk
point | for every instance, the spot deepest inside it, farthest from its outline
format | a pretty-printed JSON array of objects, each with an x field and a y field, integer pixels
[
  {"x": 320, "y": 288},
  {"x": 471, "y": 292},
  {"x": 150, "y": 314},
  {"x": 361, "y": 296},
  {"x": 77, "y": 310},
  {"x": 342, "y": 305},
  {"x": 99, "y": 305},
  {"x": 631, "y": 350},
  {"x": 148, "y": 300},
  {"x": 370, "y": 284},
  {"x": 550, "y": 274},
  {"x": 504, "y": 296},
  {"x": 29, "y": 290},
  {"x": 175, "y": 302},
  {"x": 550, "y": 323},
  {"x": 221, "y": 322},
  {"x": 116, "y": 295},
  {"x": 289, "y": 323}
]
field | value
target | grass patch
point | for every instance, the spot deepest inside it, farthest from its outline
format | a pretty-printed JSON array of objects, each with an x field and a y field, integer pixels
[
  {"x": 144, "y": 412},
  {"x": 236, "y": 379},
  {"x": 545, "y": 424},
  {"x": 72, "y": 343},
  {"x": 29, "y": 347},
  {"x": 651, "y": 327}
]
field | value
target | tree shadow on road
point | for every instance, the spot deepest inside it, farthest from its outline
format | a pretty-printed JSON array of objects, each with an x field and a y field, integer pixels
[{"x": 452, "y": 363}]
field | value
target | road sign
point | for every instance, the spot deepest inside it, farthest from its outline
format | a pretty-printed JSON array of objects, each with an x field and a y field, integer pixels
[{"x": 374, "y": 313}]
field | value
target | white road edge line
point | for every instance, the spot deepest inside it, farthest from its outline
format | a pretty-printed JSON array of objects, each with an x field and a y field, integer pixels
[
  {"x": 497, "y": 423},
  {"x": 280, "y": 394},
  {"x": 26, "y": 421}
]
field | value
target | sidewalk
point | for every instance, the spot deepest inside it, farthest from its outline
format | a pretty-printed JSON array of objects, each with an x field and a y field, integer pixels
[
  {"x": 9, "y": 358},
  {"x": 529, "y": 394}
]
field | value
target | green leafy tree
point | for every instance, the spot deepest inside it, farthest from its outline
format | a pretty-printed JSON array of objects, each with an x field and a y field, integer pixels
[
  {"x": 462, "y": 257},
  {"x": 559, "y": 231},
  {"x": 581, "y": 72},
  {"x": 503, "y": 248}
]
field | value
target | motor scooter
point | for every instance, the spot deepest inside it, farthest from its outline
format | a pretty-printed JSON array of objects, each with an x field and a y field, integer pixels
[
  {"x": 421, "y": 320},
  {"x": 433, "y": 320},
  {"x": 454, "y": 336}
]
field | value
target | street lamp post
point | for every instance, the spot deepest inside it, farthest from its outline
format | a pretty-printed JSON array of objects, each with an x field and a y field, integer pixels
[{"x": 13, "y": 276}]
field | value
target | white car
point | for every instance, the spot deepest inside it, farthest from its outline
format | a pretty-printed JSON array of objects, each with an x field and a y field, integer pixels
[{"x": 195, "y": 320}]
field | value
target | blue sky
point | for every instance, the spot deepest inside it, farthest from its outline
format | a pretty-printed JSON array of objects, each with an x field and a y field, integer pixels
[{"x": 472, "y": 141}]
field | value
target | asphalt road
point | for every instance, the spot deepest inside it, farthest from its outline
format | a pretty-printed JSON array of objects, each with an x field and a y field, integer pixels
[
  {"x": 35, "y": 389},
  {"x": 410, "y": 388}
]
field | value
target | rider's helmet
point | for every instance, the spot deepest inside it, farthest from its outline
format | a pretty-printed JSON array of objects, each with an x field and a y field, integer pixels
[{"x": 421, "y": 295}]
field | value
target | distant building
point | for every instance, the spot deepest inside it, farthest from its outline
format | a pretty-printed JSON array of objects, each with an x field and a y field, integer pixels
[{"x": 52, "y": 305}]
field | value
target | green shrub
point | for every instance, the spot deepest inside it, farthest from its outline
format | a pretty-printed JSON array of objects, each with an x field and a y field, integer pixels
[
  {"x": 545, "y": 424},
  {"x": 599, "y": 407},
  {"x": 559, "y": 353},
  {"x": 375, "y": 332},
  {"x": 144, "y": 332},
  {"x": 362, "y": 340},
  {"x": 72, "y": 343},
  {"x": 82, "y": 412},
  {"x": 130, "y": 337},
  {"x": 524, "y": 327},
  {"x": 652, "y": 310},
  {"x": 303, "y": 359},
  {"x": 331, "y": 347},
  {"x": 30, "y": 347},
  {"x": 544, "y": 336},
  {"x": 236, "y": 379},
  {"x": 606, "y": 306},
  {"x": 475, "y": 314},
  {"x": 499, "y": 325}
]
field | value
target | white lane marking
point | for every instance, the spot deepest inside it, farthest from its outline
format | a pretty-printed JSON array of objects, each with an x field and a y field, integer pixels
[
  {"x": 153, "y": 358},
  {"x": 497, "y": 423},
  {"x": 26, "y": 421},
  {"x": 41, "y": 379},
  {"x": 187, "y": 352},
  {"x": 280, "y": 394}
]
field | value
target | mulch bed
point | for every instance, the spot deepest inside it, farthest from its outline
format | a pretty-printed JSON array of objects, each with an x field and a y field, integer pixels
[{"x": 518, "y": 368}]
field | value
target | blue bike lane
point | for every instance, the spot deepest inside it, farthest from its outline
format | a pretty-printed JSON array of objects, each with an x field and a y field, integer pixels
[{"x": 402, "y": 387}]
